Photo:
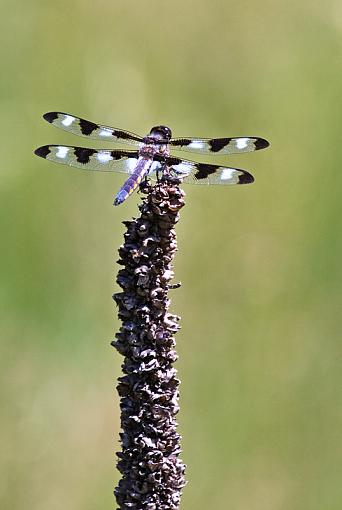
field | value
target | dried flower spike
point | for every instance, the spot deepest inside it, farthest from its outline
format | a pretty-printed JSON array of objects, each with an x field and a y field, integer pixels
[{"x": 152, "y": 473}]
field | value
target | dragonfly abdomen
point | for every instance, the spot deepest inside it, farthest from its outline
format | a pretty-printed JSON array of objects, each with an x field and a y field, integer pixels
[{"x": 133, "y": 181}]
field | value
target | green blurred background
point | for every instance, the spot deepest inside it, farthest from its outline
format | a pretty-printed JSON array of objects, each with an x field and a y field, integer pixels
[{"x": 260, "y": 355}]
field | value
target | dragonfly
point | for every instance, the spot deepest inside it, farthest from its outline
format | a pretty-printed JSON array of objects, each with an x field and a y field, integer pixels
[{"x": 148, "y": 155}]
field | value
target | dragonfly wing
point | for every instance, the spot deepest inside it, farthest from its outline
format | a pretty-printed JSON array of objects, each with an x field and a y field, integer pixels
[
  {"x": 82, "y": 127},
  {"x": 219, "y": 145},
  {"x": 90, "y": 159},
  {"x": 201, "y": 173}
]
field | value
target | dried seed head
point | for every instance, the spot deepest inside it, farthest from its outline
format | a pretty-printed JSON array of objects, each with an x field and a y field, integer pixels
[{"x": 152, "y": 473}]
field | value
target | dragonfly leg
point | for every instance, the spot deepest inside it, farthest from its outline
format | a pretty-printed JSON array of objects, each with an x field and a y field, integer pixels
[
  {"x": 171, "y": 174},
  {"x": 143, "y": 185}
]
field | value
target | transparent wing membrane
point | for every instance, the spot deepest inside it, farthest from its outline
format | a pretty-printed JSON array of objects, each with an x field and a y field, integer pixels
[
  {"x": 82, "y": 127},
  {"x": 90, "y": 159},
  {"x": 219, "y": 145},
  {"x": 201, "y": 173}
]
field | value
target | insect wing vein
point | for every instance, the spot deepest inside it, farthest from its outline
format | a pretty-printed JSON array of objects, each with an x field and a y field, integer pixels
[
  {"x": 234, "y": 145},
  {"x": 90, "y": 159},
  {"x": 83, "y": 127},
  {"x": 191, "y": 172}
]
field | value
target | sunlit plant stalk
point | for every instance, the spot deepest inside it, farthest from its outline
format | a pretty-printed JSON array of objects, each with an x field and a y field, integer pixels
[{"x": 152, "y": 473}]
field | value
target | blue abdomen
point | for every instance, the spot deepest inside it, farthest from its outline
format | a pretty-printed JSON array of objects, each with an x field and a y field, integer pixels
[
  {"x": 133, "y": 181},
  {"x": 121, "y": 196}
]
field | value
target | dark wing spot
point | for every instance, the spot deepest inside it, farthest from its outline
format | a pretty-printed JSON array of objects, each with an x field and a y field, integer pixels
[
  {"x": 119, "y": 154},
  {"x": 260, "y": 143},
  {"x": 169, "y": 160},
  {"x": 87, "y": 127},
  {"x": 181, "y": 142},
  {"x": 116, "y": 154},
  {"x": 245, "y": 178},
  {"x": 217, "y": 144},
  {"x": 204, "y": 170},
  {"x": 124, "y": 135},
  {"x": 43, "y": 151},
  {"x": 83, "y": 155},
  {"x": 50, "y": 116}
]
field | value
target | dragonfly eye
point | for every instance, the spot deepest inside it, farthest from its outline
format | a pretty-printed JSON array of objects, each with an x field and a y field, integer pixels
[{"x": 161, "y": 132}]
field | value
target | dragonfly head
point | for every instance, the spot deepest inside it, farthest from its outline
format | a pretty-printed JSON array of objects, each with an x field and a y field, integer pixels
[{"x": 160, "y": 133}]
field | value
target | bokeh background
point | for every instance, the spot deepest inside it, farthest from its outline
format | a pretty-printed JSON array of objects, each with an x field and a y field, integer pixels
[{"x": 261, "y": 303}]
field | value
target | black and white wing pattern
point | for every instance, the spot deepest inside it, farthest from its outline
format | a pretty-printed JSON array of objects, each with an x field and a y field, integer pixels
[
  {"x": 151, "y": 156},
  {"x": 191, "y": 172},
  {"x": 102, "y": 160},
  {"x": 105, "y": 160},
  {"x": 219, "y": 145},
  {"x": 82, "y": 127},
  {"x": 91, "y": 130}
]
